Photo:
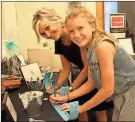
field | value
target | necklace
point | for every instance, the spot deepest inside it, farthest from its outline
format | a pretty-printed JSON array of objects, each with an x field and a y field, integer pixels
[
  {"x": 66, "y": 41},
  {"x": 65, "y": 38}
]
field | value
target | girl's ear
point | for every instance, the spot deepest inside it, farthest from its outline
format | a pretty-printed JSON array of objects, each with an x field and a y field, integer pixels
[
  {"x": 62, "y": 25},
  {"x": 93, "y": 26}
]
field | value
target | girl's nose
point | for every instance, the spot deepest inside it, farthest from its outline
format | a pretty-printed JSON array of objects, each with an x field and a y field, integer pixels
[
  {"x": 48, "y": 35},
  {"x": 77, "y": 34}
]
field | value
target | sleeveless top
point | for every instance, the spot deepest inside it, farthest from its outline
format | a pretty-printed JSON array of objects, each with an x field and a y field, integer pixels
[{"x": 124, "y": 70}]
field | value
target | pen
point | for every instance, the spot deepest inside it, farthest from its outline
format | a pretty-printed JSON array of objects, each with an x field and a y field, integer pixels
[
  {"x": 50, "y": 82},
  {"x": 54, "y": 89}
]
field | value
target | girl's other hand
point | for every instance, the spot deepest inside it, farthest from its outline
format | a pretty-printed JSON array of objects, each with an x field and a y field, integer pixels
[
  {"x": 49, "y": 90},
  {"x": 65, "y": 107}
]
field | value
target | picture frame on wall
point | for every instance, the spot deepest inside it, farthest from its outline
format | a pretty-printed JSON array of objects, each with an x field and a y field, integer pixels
[
  {"x": 127, "y": 44},
  {"x": 118, "y": 25}
]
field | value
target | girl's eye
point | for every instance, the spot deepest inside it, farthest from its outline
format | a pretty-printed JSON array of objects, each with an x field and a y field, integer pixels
[
  {"x": 47, "y": 28},
  {"x": 43, "y": 34},
  {"x": 70, "y": 31},
  {"x": 80, "y": 28}
]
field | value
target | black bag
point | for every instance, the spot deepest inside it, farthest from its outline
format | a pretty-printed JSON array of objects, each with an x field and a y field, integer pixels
[
  {"x": 5, "y": 66},
  {"x": 11, "y": 66}
]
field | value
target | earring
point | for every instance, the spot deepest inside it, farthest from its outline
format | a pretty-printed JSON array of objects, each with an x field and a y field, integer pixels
[
  {"x": 93, "y": 35},
  {"x": 64, "y": 42},
  {"x": 62, "y": 25}
]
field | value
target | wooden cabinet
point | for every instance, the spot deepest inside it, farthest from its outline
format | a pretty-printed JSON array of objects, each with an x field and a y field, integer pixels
[{"x": 100, "y": 14}]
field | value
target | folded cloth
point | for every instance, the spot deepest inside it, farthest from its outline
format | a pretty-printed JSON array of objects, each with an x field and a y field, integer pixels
[
  {"x": 47, "y": 77},
  {"x": 73, "y": 112},
  {"x": 64, "y": 90}
]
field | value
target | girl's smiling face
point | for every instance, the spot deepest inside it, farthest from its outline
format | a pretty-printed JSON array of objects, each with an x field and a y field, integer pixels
[{"x": 79, "y": 30}]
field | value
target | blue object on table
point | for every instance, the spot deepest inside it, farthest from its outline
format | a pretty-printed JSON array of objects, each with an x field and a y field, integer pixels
[
  {"x": 47, "y": 80},
  {"x": 63, "y": 114},
  {"x": 73, "y": 112},
  {"x": 64, "y": 90},
  {"x": 54, "y": 89},
  {"x": 74, "y": 106}
]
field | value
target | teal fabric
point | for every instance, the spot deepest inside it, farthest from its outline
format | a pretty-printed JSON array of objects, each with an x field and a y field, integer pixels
[
  {"x": 74, "y": 110},
  {"x": 63, "y": 114},
  {"x": 64, "y": 90},
  {"x": 47, "y": 80}
]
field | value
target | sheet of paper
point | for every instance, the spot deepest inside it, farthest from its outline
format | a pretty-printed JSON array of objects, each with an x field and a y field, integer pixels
[
  {"x": 11, "y": 109},
  {"x": 21, "y": 58},
  {"x": 126, "y": 43},
  {"x": 31, "y": 72}
]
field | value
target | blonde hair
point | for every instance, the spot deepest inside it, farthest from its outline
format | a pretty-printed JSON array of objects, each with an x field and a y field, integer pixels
[
  {"x": 97, "y": 34},
  {"x": 74, "y": 4},
  {"x": 49, "y": 15}
]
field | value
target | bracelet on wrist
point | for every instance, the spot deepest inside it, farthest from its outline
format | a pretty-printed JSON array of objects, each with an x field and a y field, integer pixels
[{"x": 70, "y": 88}]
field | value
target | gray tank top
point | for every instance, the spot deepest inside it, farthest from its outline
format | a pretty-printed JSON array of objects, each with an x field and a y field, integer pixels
[{"x": 124, "y": 70}]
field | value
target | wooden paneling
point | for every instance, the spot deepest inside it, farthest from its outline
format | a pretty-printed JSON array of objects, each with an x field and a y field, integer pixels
[
  {"x": 100, "y": 14},
  {"x": 3, "y": 24}
]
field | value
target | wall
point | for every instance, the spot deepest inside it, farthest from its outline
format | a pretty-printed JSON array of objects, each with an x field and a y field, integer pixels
[
  {"x": 109, "y": 8},
  {"x": 9, "y": 21},
  {"x": 91, "y": 6},
  {"x": 3, "y": 24},
  {"x": 24, "y": 14},
  {"x": 9, "y": 27}
]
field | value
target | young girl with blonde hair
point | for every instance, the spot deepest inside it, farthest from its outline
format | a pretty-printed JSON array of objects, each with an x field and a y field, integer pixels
[{"x": 110, "y": 66}]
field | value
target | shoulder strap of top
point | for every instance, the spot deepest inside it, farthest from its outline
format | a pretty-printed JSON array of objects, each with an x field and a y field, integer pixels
[
  {"x": 93, "y": 51},
  {"x": 108, "y": 39}
]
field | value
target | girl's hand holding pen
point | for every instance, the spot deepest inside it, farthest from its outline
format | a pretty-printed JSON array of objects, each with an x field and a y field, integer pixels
[
  {"x": 51, "y": 98},
  {"x": 58, "y": 98},
  {"x": 50, "y": 90}
]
